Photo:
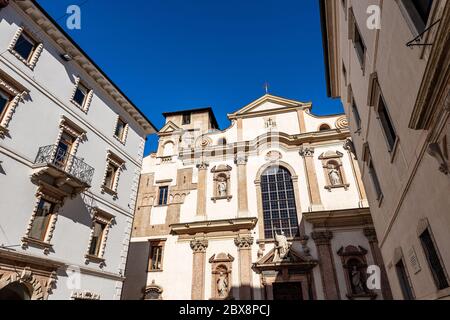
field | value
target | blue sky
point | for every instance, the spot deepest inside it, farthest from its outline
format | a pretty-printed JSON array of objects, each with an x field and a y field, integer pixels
[{"x": 170, "y": 55}]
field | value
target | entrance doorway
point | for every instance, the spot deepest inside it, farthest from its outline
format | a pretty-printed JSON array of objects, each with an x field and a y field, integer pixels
[
  {"x": 14, "y": 292},
  {"x": 287, "y": 291}
]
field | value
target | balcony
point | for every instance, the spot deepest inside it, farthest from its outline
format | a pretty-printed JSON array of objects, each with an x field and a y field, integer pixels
[{"x": 55, "y": 167}]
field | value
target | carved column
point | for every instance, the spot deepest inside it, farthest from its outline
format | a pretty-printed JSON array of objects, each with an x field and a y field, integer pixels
[
  {"x": 201, "y": 188},
  {"x": 198, "y": 268},
  {"x": 244, "y": 245},
  {"x": 313, "y": 185},
  {"x": 371, "y": 235},
  {"x": 326, "y": 264},
  {"x": 241, "y": 162}
]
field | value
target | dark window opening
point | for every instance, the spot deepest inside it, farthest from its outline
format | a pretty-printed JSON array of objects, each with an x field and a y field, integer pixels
[
  {"x": 324, "y": 127},
  {"x": 80, "y": 95},
  {"x": 163, "y": 194},
  {"x": 24, "y": 47},
  {"x": 97, "y": 238},
  {"x": 404, "y": 281},
  {"x": 386, "y": 123},
  {"x": 186, "y": 119},
  {"x": 434, "y": 262},
  {"x": 42, "y": 220},
  {"x": 155, "y": 262},
  {"x": 360, "y": 46},
  {"x": 356, "y": 116},
  {"x": 4, "y": 101}
]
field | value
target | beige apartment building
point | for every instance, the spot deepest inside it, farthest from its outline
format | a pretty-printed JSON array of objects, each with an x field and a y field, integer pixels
[{"x": 393, "y": 80}]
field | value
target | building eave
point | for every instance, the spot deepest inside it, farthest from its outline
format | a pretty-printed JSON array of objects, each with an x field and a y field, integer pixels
[{"x": 54, "y": 31}]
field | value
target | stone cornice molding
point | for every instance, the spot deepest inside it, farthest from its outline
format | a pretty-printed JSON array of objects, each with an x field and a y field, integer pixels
[
  {"x": 371, "y": 234},
  {"x": 339, "y": 218},
  {"x": 205, "y": 227}
]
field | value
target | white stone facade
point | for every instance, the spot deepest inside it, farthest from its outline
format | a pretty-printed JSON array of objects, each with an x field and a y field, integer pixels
[
  {"x": 41, "y": 111},
  {"x": 204, "y": 229}
]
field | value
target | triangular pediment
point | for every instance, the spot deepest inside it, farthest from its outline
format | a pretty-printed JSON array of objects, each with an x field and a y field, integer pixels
[
  {"x": 268, "y": 103},
  {"x": 169, "y": 127},
  {"x": 293, "y": 257}
]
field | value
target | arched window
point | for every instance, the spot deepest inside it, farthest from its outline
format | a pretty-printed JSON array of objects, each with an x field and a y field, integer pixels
[
  {"x": 278, "y": 199},
  {"x": 324, "y": 127},
  {"x": 168, "y": 149}
]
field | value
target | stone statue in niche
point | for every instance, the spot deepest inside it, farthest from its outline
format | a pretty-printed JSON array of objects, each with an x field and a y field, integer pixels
[
  {"x": 222, "y": 285},
  {"x": 335, "y": 176},
  {"x": 357, "y": 281},
  {"x": 282, "y": 247},
  {"x": 222, "y": 187}
]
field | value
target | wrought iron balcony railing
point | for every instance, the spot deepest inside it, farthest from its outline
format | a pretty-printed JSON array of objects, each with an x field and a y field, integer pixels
[{"x": 58, "y": 157}]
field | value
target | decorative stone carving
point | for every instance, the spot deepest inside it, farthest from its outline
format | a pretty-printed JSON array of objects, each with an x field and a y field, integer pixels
[
  {"x": 244, "y": 242},
  {"x": 270, "y": 123},
  {"x": 199, "y": 246},
  {"x": 274, "y": 156},
  {"x": 282, "y": 247},
  {"x": 371, "y": 234},
  {"x": 435, "y": 150},
  {"x": 342, "y": 123},
  {"x": 203, "y": 166},
  {"x": 221, "y": 266},
  {"x": 307, "y": 152},
  {"x": 153, "y": 292},
  {"x": 17, "y": 97},
  {"x": 333, "y": 170},
  {"x": 322, "y": 237},
  {"x": 222, "y": 182},
  {"x": 85, "y": 295}
]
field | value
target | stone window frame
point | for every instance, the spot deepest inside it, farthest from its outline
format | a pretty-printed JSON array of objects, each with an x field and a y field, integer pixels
[
  {"x": 79, "y": 134},
  {"x": 327, "y": 159},
  {"x": 399, "y": 257},
  {"x": 224, "y": 261},
  {"x": 16, "y": 95},
  {"x": 221, "y": 171},
  {"x": 101, "y": 216},
  {"x": 358, "y": 253},
  {"x": 88, "y": 99},
  {"x": 373, "y": 173},
  {"x": 424, "y": 225},
  {"x": 259, "y": 199},
  {"x": 156, "y": 243},
  {"x": 114, "y": 160},
  {"x": 353, "y": 30},
  {"x": 124, "y": 137},
  {"x": 85, "y": 295},
  {"x": 37, "y": 50},
  {"x": 52, "y": 195}
]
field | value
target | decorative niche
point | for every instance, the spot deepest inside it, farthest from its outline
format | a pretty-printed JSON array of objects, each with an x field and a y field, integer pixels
[
  {"x": 355, "y": 266},
  {"x": 221, "y": 266},
  {"x": 222, "y": 185},
  {"x": 333, "y": 170}
]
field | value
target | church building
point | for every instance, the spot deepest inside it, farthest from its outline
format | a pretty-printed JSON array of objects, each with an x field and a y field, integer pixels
[{"x": 271, "y": 208}]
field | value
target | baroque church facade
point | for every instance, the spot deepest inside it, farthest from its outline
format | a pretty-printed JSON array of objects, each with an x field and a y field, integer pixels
[{"x": 271, "y": 208}]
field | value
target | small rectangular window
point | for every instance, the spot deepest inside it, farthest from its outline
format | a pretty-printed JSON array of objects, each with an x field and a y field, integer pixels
[
  {"x": 110, "y": 178},
  {"x": 4, "y": 102},
  {"x": 120, "y": 129},
  {"x": 155, "y": 263},
  {"x": 403, "y": 278},
  {"x": 419, "y": 12},
  {"x": 434, "y": 262},
  {"x": 41, "y": 220},
  {"x": 375, "y": 181},
  {"x": 25, "y": 46},
  {"x": 163, "y": 194},
  {"x": 356, "y": 116},
  {"x": 186, "y": 118},
  {"x": 97, "y": 238},
  {"x": 386, "y": 123},
  {"x": 359, "y": 46},
  {"x": 80, "y": 95}
]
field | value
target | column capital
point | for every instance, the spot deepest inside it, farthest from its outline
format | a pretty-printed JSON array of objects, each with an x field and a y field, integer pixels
[
  {"x": 241, "y": 160},
  {"x": 371, "y": 234},
  {"x": 244, "y": 242},
  {"x": 203, "y": 166},
  {"x": 322, "y": 237},
  {"x": 307, "y": 152},
  {"x": 199, "y": 246}
]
